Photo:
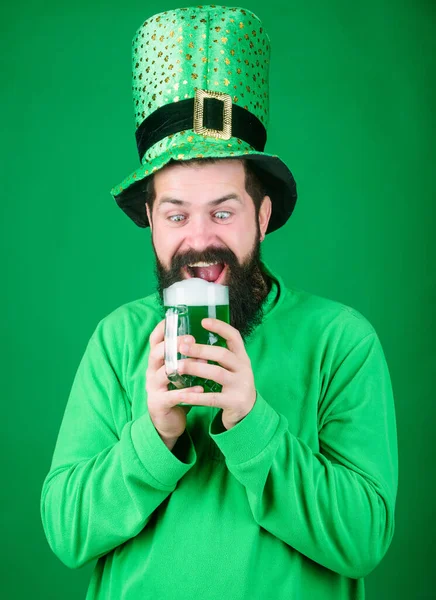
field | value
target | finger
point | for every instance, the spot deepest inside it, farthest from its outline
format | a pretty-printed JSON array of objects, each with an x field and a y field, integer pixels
[
  {"x": 217, "y": 400},
  {"x": 195, "y": 367},
  {"x": 218, "y": 354},
  {"x": 174, "y": 397},
  {"x": 157, "y": 354},
  {"x": 232, "y": 336},
  {"x": 159, "y": 379},
  {"x": 157, "y": 335}
]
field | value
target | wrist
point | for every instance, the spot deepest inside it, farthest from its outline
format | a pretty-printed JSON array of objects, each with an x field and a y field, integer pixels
[{"x": 169, "y": 442}]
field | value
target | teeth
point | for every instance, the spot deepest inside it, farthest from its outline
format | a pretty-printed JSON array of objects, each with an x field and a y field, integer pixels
[{"x": 202, "y": 264}]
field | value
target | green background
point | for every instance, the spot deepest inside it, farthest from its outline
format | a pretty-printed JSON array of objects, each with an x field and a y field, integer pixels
[{"x": 352, "y": 113}]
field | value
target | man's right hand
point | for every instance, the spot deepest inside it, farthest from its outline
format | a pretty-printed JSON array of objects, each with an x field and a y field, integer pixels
[{"x": 168, "y": 418}]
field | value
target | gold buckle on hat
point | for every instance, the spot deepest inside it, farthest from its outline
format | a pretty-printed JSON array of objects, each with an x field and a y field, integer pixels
[{"x": 226, "y": 132}]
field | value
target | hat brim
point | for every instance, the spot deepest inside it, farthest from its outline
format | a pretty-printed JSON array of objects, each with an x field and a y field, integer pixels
[{"x": 278, "y": 180}]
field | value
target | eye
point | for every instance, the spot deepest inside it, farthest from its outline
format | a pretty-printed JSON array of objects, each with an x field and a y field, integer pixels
[
  {"x": 222, "y": 212},
  {"x": 179, "y": 218}
]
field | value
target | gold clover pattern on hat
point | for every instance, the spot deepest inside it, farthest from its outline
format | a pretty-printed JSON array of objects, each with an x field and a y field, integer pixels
[
  {"x": 174, "y": 53},
  {"x": 173, "y": 59}
]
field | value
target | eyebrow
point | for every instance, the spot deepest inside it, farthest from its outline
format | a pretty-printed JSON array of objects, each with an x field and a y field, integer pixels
[{"x": 178, "y": 202}]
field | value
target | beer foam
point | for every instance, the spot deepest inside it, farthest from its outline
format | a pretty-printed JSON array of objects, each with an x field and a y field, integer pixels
[{"x": 196, "y": 292}]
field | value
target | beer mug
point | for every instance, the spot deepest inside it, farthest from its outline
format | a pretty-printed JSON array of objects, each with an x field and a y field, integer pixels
[{"x": 186, "y": 303}]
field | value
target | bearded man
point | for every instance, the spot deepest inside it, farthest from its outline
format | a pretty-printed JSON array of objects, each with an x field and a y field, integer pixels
[{"x": 281, "y": 485}]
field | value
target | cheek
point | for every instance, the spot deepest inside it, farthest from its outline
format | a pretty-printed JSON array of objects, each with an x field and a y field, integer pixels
[
  {"x": 164, "y": 247},
  {"x": 243, "y": 237}
]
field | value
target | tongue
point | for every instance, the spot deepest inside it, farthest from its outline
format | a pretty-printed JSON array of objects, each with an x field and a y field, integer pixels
[{"x": 208, "y": 273}]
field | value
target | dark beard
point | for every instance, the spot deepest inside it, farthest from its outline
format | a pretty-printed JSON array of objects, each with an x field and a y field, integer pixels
[{"x": 248, "y": 284}]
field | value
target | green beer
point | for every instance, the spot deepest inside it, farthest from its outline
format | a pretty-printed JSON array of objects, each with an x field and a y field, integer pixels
[{"x": 186, "y": 304}]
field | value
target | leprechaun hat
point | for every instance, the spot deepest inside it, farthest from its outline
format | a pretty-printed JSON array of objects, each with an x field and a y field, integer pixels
[{"x": 201, "y": 89}]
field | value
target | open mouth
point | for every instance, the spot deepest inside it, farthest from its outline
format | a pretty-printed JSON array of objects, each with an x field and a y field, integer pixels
[{"x": 214, "y": 273}]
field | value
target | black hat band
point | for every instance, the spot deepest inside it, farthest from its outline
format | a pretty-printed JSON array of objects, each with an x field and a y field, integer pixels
[{"x": 216, "y": 117}]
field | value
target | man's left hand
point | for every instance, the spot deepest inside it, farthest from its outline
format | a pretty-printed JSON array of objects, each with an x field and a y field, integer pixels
[{"x": 233, "y": 372}]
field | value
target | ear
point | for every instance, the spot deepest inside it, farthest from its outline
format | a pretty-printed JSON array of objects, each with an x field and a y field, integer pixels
[
  {"x": 149, "y": 217},
  {"x": 264, "y": 216}
]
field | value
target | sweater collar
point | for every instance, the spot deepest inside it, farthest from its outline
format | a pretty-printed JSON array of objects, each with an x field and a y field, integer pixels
[{"x": 275, "y": 295}]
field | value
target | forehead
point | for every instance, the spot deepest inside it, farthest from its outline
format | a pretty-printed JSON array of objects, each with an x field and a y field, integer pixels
[{"x": 224, "y": 176}]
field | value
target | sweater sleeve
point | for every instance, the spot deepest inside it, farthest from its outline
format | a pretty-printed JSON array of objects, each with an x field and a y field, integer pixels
[
  {"x": 108, "y": 474},
  {"x": 335, "y": 506}
]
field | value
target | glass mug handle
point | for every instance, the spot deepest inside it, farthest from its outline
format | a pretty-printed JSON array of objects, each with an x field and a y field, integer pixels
[{"x": 176, "y": 323}]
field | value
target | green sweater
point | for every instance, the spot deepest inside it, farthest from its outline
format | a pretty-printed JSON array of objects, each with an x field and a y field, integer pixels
[{"x": 296, "y": 501}]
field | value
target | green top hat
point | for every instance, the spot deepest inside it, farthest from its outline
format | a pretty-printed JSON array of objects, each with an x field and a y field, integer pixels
[{"x": 201, "y": 89}]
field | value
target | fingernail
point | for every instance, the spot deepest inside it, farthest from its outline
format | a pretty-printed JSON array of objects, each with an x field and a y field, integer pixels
[{"x": 187, "y": 339}]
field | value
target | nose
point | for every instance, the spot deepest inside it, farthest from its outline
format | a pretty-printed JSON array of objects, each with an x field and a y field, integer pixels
[{"x": 200, "y": 233}]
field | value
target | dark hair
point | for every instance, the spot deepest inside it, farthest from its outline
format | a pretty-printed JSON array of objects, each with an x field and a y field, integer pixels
[{"x": 253, "y": 182}]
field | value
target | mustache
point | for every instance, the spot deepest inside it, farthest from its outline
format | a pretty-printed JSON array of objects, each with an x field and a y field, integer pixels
[{"x": 211, "y": 255}]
